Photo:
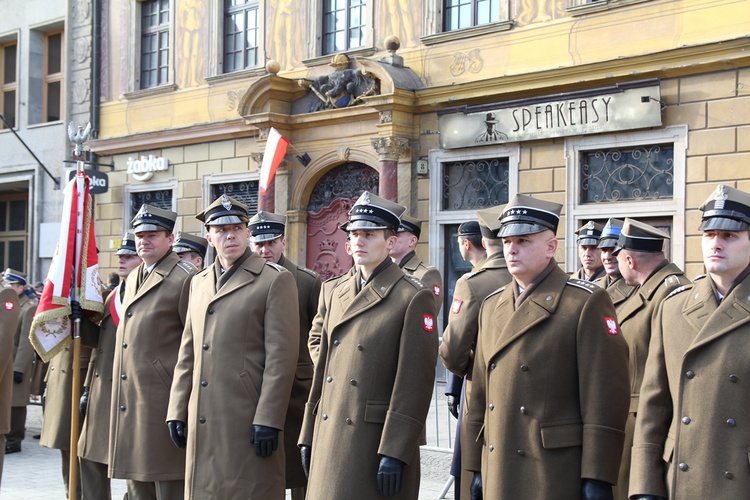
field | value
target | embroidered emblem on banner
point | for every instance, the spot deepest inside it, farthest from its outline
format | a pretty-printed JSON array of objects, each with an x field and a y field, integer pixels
[
  {"x": 436, "y": 290},
  {"x": 611, "y": 325},
  {"x": 456, "y": 306},
  {"x": 8, "y": 305},
  {"x": 428, "y": 322}
]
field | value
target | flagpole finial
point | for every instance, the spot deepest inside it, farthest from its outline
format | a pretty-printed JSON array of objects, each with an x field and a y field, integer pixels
[{"x": 78, "y": 137}]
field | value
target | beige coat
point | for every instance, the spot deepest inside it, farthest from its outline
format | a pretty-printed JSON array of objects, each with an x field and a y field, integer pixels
[
  {"x": 23, "y": 352},
  {"x": 10, "y": 311},
  {"x": 692, "y": 437},
  {"x": 372, "y": 385},
  {"x": 428, "y": 275},
  {"x": 148, "y": 342},
  {"x": 598, "y": 274},
  {"x": 308, "y": 292},
  {"x": 94, "y": 441},
  {"x": 549, "y": 394},
  {"x": 316, "y": 330},
  {"x": 618, "y": 290},
  {"x": 635, "y": 315},
  {"x": 236, "y": 369}
]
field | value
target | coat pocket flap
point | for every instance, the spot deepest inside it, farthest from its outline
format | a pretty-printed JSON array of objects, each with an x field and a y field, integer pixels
[
  {"x": 668, "y": 449},
  {"x": 375, "y": 412},
  {"x": 562, "y": 436}
]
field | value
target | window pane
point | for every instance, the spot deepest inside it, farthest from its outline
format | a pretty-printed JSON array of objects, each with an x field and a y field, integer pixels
[
  {"x": 9, "y": 64},
  {"x": 2, "y": 255},
  {"x": 9, "y": 107},
  {"x": 475, "y": 184},
  {"x": 3, "y": 215},
  {"x": 17, "y": 215},
  {"x": 53, "y": 102},
  {"x": 16, "y": 254},
  {"x": 54, "y": 53},
  {"x": 160, "y": 199},
  {"x": 641, "y": 173}
]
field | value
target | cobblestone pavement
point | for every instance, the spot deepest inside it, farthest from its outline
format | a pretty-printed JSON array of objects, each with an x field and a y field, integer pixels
[{"x": 35, "y": 474}]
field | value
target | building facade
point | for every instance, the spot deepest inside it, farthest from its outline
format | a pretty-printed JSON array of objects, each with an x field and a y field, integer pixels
[
  {"x": 45, "y": 59},
  {"x": 613, "y": 108}
]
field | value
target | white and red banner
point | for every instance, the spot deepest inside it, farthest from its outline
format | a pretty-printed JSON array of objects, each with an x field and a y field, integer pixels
[
  {"x": 274, "y": 154},
  {"x": 51, "y": 328}
]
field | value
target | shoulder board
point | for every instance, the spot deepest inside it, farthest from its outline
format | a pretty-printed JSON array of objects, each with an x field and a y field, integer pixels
[
  {"x": 679, "y": 289},
  {"x": 334, "y": 278},
  {"x": 309, "y": 271},
  {"x": 473, "y": 273},
  {"x": 188, "y": 267},
  {"x": 699, "y": 277},
  {"x": 502, "y": 288},
  {"x": 672, "y": 280},
  {"x": 414, "y": 281},
  {"x": 276, "y": 266},
  {"x": 583, "y": 285}
]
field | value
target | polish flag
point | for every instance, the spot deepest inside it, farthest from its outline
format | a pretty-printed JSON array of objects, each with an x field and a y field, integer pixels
[{"x": 275, "y": 152}]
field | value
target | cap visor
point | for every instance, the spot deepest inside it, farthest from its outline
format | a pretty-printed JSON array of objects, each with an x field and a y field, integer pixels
[
  {"x": 264, "y": 237},
  {"x": 722, "y": 224},
  {"x": 127, "y": 251},
  {"x": 143, "y": 228},
  {"x": 226, "y": 221},
  {"x": 608, "y": 243},
  {"x": 588, "y": 242},
  {"x": 364, "y": 225},
  {"x": 520, "y": 229}
]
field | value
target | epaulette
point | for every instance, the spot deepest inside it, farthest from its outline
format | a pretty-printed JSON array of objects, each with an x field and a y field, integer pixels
[
  {"x": 679, "y": 289},
  {"x": 472, "y": 273},
  {"x": 671, "y": 280},
  {"x": 583, "y": 285},
  {"x": 699, "y": 277},
  {"x": 502, "y": 288},
  {"x": 333, "y": 278},
  {"x": 186, "y": 266},
  {"x": 276, "y": 266},
  {"x": 309, "y": 271},
  {"x": 414, "y": 281}
]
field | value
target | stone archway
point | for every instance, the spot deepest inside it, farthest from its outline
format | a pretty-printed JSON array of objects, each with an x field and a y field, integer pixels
[{"x": 330, "y": 201}]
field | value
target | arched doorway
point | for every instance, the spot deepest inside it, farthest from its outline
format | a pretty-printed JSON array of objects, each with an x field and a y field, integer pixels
[{"x": 330, "y": 201}]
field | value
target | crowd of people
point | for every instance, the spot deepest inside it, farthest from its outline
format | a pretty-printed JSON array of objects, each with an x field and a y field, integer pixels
[{"x": 250, "y": 377}]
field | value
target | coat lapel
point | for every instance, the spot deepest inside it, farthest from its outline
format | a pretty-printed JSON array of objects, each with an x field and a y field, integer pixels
[
  {"x": 156, "y": 276},
  {"x": 718, "y": 320},
  {"x": 353, "y": 304},
  {"x": 249, "y": 269}
]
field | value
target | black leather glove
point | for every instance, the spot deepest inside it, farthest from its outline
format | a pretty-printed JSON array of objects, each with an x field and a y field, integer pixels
[
  {"x": 390, "y": 476},
  {"x": 17, "y": 377},
  {"x": 177, "y": 433},
  {"x": 476, "y": 486},
  {"x": 593, "y": 489},
  {"x": 452, "y": 404},
  {"x": 647, "y": 497},
  {"x": 265, "y": 439},
  {"x": 83, "y": 403},
  {"x": 305, "y": 452},
  {"x": 76, "y": 311}
]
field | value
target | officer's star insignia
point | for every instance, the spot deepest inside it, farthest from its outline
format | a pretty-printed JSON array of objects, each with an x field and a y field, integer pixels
[{"x": 225, "y": 202}]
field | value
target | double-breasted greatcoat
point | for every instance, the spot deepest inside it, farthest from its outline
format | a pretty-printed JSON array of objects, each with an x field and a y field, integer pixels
[
  {"x": 428, "y": 275},
  {"x": 635, "y": 315},
  {"x": 599, "y": 273},
  {"x": 617, "y": 288},
  {"x": 9, "y": 316},
  {"x": 692, "y": 437},
  {"x": 146, "y": 349},
  {"x": 236, "y": 369},
  {"x": 308, "y": 291},
  {"x": 93, "y": 443},
  {"x": 23, "y": 352},
  {"x": 316, "y": 330},
  {"x": 459, "y": 337},
  {"x": 549, "y": 393},
  {"x": 372, "y": 385}
]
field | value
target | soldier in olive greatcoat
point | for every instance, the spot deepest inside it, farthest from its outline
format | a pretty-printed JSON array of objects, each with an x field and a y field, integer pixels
[
  {"x": 96, "y": 398},
  {"x": 612, "y": 281},
  {"x": 374, "y": 376},
  {"x": 236, "y": 367},
  {"x": 9, "y": 315},
  {"x": 549, "y": 392},
  {"x": 643, "y": 265},
  {"x": 191, "y": 248},
  {"x": 692, "y": 435},
  {"x": 267, "y": 240},
  {"x": 148, "y": 342},
  {"x": 589, "y": 253}
]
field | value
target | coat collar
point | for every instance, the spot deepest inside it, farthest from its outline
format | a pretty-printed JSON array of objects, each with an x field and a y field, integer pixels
[
  {"x": 645, "y": 292},
  {"x": 537, "y": 307},
  {"x": 353, "y": 304},
  {"x": 411, "y": 262},
  {"x": 495, "y": 261},
  {"x": 243, "y": 276},
  {"x": 160, "y": 271},
  {"x": 711, "y": 319}
]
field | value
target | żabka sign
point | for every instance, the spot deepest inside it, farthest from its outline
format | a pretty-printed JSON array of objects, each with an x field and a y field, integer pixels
[{"x": 143, "y": 169}]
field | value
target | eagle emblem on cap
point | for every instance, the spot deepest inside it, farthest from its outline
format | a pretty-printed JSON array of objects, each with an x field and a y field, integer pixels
[
  {"x": 365, "y": 198},
  {"x": 591, "y": 225},
  {"x": 225, "y": 202},
  {"x": 262, "y": 216},
  {"x": 143, "y": 212},
  {"x": 721, "y": 196},
  {"x": 179, "y": 235}
]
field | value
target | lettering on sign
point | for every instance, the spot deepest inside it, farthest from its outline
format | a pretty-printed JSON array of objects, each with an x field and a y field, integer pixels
[
  {"x": 591, "y": 112},
  {"x": 143, "y": 169}
]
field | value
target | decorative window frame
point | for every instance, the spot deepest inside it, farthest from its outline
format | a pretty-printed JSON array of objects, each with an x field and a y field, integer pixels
[
  {"x": 315, "y": 40},
  {"x": 216, "y": 37},
  {"x": 209, "y": 180},
  {"x": 434, "y": 25},
  {"x": 11, "y": 38},
  {"x": 135, "y": 55},
  {"x": 673, "y": 207},
  {"x": 582, "y": 7}
]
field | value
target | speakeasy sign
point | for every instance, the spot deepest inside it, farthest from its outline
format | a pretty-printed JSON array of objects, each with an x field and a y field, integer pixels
[{"x": 580, "y": 113}]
